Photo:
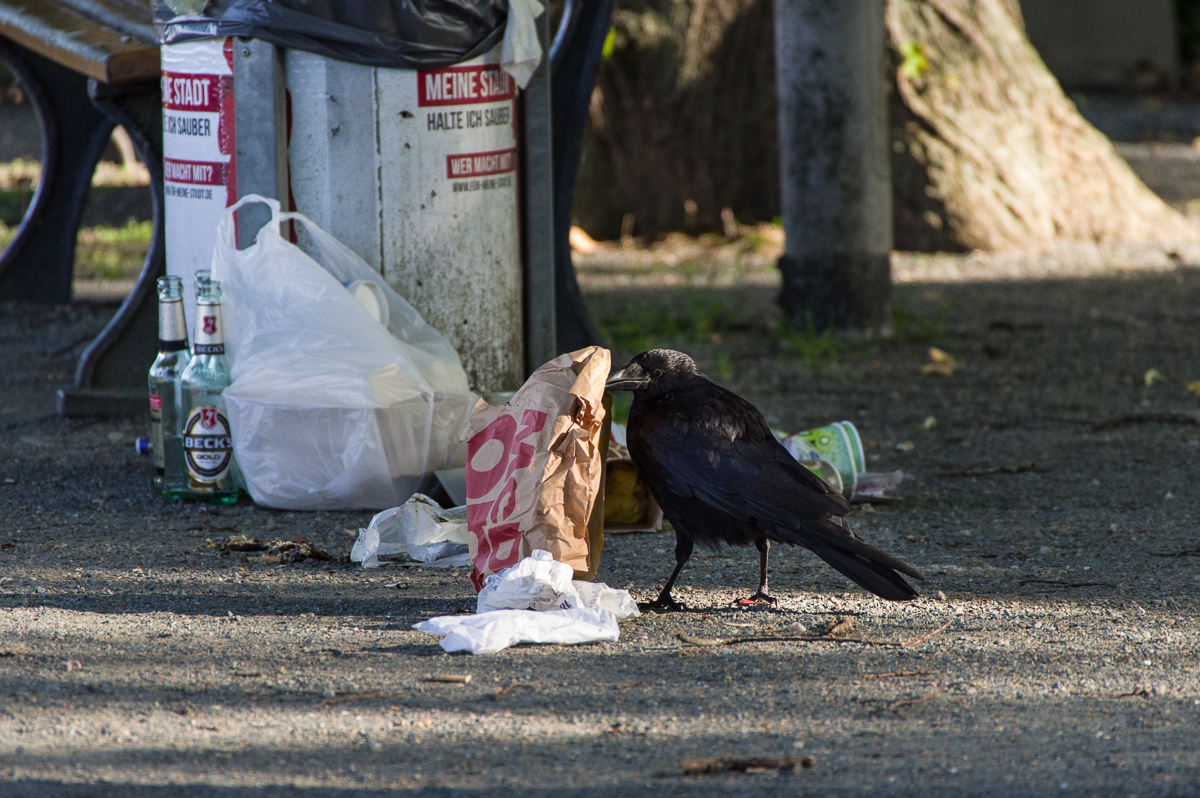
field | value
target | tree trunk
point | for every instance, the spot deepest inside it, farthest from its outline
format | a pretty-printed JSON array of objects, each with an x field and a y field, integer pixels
[
  {"x": 682, "y": 119},
  {"x": 988, "y": 153}
]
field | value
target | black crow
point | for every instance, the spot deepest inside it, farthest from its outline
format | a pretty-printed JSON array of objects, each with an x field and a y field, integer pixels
[{"x": 720, "y": 476}]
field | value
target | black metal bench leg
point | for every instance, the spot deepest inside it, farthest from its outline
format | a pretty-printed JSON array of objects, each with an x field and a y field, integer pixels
[
  {"x": 111, "y": 376},
  {"x": 39, "y": 263}
]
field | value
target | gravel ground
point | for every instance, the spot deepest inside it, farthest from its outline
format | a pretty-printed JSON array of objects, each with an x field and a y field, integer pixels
[{"x": 1050, "y": 502}]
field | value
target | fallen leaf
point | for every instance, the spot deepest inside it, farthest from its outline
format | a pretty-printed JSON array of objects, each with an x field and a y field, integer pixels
[
  {"x": 929, "y": 423},
  {"x": 581, "y": 242},
  {"x": 1152, "y": 376},
  {"x": 836, "y": 626},
  {"x": 1193, "y": 387},
  {"x": 940, "y": 363}
]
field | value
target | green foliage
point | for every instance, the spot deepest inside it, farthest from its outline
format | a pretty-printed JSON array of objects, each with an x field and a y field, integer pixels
[
  {"x": 816, "y": 349},
  {"x": 640, "y": 327},
  {"x": 915, "y": 63},
  {"x": 911, "y": 327},
  {"x": 724, "y": 367},
  {"x": 132, "y": 233},
  {"x": 622, "y": 400},
  {"x": 610, "y": 44},
  {"x": 112, "y": 253}
]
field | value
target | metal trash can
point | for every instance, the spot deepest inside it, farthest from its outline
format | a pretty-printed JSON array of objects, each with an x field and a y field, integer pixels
[
  {"x": 406, "y": 151},
  {"x": 416, "y": 172}
]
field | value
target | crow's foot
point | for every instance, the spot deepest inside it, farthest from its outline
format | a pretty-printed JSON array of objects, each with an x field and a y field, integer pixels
[
  {"x": 663, "y": 604},
  {"x": 758, "y": 598}
]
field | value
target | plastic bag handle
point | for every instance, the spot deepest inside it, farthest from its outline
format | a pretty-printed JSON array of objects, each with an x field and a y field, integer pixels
[
  {"x": 278, "y": 217},
  {"x": 226, "y": 229}
]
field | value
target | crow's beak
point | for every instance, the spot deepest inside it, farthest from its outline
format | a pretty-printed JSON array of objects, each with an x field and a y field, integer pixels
[{"x": 621, "y": 382}]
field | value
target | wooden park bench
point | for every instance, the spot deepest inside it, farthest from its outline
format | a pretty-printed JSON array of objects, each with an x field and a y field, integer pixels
[{"x": 87, "y": 66}]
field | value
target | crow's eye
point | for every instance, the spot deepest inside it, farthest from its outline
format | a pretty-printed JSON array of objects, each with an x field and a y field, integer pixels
[{"x": 656, "y": 373}]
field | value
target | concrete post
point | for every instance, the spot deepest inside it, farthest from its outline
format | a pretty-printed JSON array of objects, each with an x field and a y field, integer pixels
[
  {"x": 261, "y": 124},
  {"x": 835, "y": 171}
]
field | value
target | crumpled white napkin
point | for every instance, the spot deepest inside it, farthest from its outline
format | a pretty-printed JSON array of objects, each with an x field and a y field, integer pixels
[
  {"x": 535, "y": 601},
  {"x": 539, "y": 582},
  {"x": 489, "y": 632},
  {"x": 522, "y": 51}
]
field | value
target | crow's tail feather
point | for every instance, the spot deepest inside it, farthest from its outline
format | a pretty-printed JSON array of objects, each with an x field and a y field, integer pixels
[{"x": 876, "y": 577}]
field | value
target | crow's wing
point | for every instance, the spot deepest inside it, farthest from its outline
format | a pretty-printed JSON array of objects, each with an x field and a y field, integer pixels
[{"x": 713, "y": 446}]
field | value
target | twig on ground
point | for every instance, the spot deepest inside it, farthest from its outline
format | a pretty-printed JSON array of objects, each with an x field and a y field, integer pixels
[
  {"x": 369, "y": 695},
  {"x": 1060, "y": 583},
  {"x": 1144, "y": 418},
  {"x": 705, "y": 767},
  {"x": 732, "y": 641},
  {"x": 1141, "y": 693},
  {"x": 982, "y": 471},
  {"x": 1184, "y": 553},
  {"x": 452, "y": 678},
  {"x": 912, "y": 702},
  {"x": 897, "y": 674},
  {"x": 504, "y": 691}
]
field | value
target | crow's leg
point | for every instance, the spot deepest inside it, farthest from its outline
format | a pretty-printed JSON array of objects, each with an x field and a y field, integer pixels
[
  {"x": 664, "y": 602},
  {"x": 761, "y": 597}
]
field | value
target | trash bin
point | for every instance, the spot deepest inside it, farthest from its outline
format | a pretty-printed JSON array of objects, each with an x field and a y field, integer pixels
[
  {"x": 416, "y": 171},
  {"x": 402, "y": 141}
]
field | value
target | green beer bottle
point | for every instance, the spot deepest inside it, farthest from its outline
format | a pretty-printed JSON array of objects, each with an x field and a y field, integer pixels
[{"x": 207, "y": 438}]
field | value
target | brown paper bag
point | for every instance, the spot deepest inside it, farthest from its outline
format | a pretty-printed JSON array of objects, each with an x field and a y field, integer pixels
[{"x": 534, "y": 466}]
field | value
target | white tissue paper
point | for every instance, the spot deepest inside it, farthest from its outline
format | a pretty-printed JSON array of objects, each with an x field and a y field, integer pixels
[
  {"x": 495, "y": 631},
  {"x": 540, "y": 583},
  {"x": 522, "y": 52},
  {"x": 417, "y": 531},
  {"x": 535, "y": 601}
]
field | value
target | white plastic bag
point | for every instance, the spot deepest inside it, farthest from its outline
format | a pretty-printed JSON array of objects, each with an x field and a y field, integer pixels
[
  {"x": 417, "y": 531},
  {"x": 329, "y": 408}
]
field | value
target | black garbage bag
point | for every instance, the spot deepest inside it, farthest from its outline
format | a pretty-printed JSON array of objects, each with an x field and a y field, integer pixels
[{"x": 403, "y": 34}]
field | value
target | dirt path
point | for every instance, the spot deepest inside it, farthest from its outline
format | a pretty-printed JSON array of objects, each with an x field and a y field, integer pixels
[{"x": 134, "y": 661}]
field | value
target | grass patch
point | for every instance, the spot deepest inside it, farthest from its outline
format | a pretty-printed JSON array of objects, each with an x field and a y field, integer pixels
[
  {"x": 817, "y": 350},
  {"x": 911, "y": 327},
  {"x": 112, "y": 253},
  {"x": 639, "y": 326},
  {"x": 104, "y": 253}
]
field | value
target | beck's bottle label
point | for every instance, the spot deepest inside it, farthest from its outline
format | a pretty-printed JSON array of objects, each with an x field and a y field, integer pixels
[
  {"x": 207, "y": 443},
  {"x": 210, "y": 335}
]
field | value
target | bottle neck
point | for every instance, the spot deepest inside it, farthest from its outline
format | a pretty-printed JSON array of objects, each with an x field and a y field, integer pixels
[
  {"x": 210, "y": 329},
  {"x": 172, "y": 327}
]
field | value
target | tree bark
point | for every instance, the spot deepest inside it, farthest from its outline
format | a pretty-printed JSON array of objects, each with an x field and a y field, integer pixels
[
  {"x": 987, "y": 151},
  {"x": 682, "y": 121}
]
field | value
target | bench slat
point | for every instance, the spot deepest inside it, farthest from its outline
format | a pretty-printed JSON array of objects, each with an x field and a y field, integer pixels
[{"x": 59, "y": 31}]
